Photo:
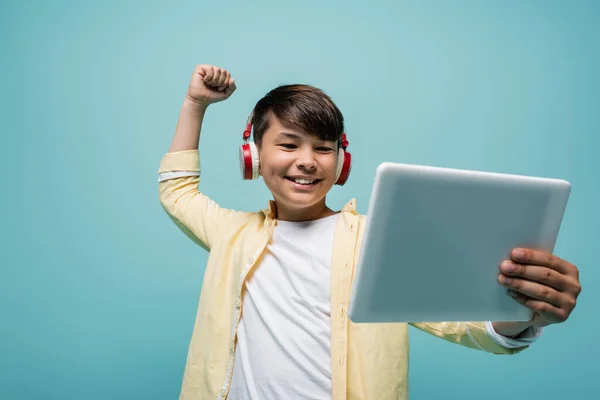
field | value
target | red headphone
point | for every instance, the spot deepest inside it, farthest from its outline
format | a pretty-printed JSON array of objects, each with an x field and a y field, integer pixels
[{"x": 250, "y": 163}]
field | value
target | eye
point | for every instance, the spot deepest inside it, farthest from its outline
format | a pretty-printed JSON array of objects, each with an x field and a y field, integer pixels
[
  {"x": 288, "y": 145},
  {"x": 324, "y": 149}
]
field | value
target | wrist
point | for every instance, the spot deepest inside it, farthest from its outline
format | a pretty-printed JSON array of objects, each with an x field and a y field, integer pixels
[
  {"x": 511, "y": 329},
  {"x": 194, "y": 105}
]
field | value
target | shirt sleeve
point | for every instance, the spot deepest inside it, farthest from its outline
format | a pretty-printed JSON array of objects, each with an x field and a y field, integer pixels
[
  {"x": 473, "y": 335},
  {"x": 199, "y": 217},
  {"x": 524, "y": 339}
]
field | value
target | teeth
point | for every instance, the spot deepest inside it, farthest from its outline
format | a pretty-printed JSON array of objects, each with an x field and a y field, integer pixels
[{"x": 304, "y": 181}]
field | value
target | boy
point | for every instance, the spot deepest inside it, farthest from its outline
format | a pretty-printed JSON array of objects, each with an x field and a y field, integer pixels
[{"x": 272, "y": 319}]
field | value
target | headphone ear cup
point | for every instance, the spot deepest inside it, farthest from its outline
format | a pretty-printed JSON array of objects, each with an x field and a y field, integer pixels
[
  {"x": 339, "y": 165},
  {"x": 249, "y": 161},
  {"x": 344, "y": 165}
]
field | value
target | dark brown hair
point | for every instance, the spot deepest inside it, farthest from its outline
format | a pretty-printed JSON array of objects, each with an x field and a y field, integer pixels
[{"x": 302, "y": 106}]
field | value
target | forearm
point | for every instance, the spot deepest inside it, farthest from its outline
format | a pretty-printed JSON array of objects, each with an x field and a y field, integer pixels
[{"x": 189, "y": 125}]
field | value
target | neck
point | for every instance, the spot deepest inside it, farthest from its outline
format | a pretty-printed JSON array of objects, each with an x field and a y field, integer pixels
[{"x": 317, "y": 211}]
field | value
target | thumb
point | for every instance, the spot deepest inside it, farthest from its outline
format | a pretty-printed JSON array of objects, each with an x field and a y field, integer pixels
[{"x": 206, "y": 72}]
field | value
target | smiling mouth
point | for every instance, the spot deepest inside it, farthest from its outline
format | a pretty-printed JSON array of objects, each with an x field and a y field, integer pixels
[{"x": 300, "y": 181}]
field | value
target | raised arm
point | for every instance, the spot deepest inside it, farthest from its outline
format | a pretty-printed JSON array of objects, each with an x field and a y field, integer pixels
[{"x": 194, "y": 213}]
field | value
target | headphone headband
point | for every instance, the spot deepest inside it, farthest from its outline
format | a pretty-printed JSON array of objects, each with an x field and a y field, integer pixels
[{"x": 248, "y": 130}]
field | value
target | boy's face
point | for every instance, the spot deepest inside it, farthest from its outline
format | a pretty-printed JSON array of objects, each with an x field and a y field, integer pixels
[{"x": 298, "y": 168}]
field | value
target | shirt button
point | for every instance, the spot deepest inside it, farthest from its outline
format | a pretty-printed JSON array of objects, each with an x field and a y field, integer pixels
[
  {"x": 238, "y": 304},
  {"x": 250, "y": 260},
  {"x": 223, "y": 392}
]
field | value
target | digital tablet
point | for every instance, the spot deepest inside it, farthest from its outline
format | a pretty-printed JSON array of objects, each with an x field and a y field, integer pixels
[{"x": 435, "y": 238}]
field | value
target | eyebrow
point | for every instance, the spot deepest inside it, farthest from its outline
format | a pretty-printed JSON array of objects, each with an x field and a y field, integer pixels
[
  {"x": 290, "y": 135},
  {"x": 296, "y": 136}
]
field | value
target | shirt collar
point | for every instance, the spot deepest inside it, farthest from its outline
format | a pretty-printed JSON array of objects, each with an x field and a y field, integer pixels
[{"x": 271, "y": 210}]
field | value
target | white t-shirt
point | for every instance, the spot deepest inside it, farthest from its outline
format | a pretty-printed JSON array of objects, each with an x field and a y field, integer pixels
[{"x": 283, "y": 348}]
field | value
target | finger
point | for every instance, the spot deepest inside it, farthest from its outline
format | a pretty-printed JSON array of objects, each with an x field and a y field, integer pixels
[
  {"x": 215, "y": 80},
  {"x": 543, "y": 258},
  {"x": 546, "y": 310},
  {"x": 543, "y": 275},
  {"x": 222, "y": 78},
  {"x": 534, "y": 290},
  {"x": 223, "y": 85},
  {"x": 211, "y": 76},
  {"x": 231, "y": 88}
]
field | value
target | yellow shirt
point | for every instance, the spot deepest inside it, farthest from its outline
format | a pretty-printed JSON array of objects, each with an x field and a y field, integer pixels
[{"x": 369, "y": 361}]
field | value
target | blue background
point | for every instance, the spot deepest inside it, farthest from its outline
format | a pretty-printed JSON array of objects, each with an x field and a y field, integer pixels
[{"x": 98, "y": 289}]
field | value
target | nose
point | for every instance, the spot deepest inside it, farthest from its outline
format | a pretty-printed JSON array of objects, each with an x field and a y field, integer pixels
[{"x": 306, "y": 160}]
